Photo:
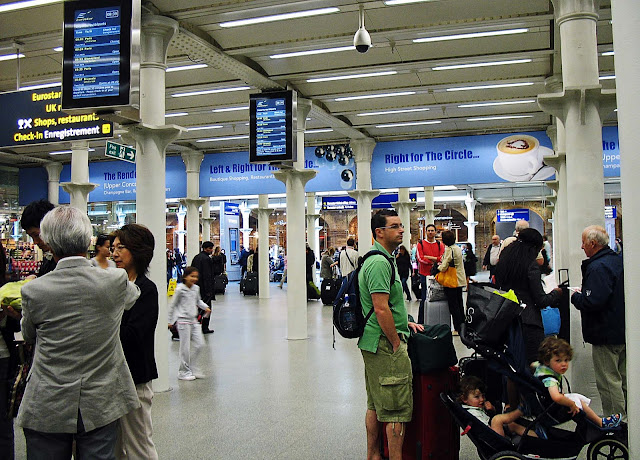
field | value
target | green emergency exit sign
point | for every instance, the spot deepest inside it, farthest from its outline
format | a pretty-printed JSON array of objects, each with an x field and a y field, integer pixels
[{"x": 120, "y": 152}]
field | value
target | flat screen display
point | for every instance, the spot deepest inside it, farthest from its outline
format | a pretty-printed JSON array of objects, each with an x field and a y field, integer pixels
[
  {"x": 271, "y": 128},
  {"x": 97, "y": 54}
]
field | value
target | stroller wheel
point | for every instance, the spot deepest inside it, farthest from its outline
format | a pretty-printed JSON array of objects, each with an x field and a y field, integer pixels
[
  {"x": 507, "y": 455},
  {"x": 607, "y": 449}
]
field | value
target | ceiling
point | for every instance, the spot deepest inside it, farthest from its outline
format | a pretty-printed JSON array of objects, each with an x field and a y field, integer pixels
[{"x": 241, "y": 56}]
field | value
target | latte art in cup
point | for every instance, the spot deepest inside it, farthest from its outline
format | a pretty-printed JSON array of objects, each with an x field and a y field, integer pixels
[{"x": 518, "y": 144}]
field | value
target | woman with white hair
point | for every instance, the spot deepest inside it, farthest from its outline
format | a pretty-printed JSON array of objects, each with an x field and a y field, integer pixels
[{"x": 79, "y": 385}]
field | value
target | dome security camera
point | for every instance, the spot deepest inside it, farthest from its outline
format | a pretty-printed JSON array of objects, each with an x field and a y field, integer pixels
[{"x": 362, "y": 39}]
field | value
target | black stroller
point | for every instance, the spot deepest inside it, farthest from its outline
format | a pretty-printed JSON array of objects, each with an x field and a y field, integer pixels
[{"x": 542, "y": 415}]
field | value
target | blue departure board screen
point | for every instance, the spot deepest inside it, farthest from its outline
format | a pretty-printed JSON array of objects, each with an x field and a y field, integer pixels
[
  {"x": 271, "y": 127},
  {"x": 97, "y": 55}
]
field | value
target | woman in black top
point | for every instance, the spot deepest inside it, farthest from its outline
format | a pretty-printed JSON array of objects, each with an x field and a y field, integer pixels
[
  {"x": 470, "y": 261},
  {"x": 133, "y": 250},
  {"x": 403, "y": 260}
]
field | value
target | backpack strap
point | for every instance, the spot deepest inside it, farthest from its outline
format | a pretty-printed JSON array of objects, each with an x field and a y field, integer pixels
[{"x": 350, "y": 261}]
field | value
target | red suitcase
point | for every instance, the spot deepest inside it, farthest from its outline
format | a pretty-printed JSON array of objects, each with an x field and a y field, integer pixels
[{"x": 432, "y": 434}]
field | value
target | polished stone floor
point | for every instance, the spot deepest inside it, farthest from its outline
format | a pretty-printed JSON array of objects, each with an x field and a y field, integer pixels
[{"x": 266, "y": 397}]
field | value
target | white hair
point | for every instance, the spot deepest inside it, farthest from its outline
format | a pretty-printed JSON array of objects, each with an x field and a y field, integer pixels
[
  {"x": 521, "y": 225},
  {"x": 596, "y": 234},
  {"x": 67, "y": 231}
]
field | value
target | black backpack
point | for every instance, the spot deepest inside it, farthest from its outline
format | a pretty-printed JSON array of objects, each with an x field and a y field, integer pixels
[{"x": 348, "y": 318}]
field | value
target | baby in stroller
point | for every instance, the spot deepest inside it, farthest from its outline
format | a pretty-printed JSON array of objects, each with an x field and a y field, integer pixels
[{"x": 555, "y": 355}]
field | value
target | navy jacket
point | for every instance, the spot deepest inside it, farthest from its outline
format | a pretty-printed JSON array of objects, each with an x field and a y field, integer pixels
[{"x": 601, "y": 302}]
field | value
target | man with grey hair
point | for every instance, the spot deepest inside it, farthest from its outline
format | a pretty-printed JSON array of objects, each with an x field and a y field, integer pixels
[
  {"x": 601, "y": 305},
  {"x": 520, "y": 225},
  {"x": 79, "y": 384}
]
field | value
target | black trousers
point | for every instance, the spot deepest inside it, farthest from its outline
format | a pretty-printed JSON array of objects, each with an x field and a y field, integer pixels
[{"x": 456, "y": 307}]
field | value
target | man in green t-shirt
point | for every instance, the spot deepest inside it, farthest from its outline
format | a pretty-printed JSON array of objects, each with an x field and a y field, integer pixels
[{"x": 387, "y": 369}]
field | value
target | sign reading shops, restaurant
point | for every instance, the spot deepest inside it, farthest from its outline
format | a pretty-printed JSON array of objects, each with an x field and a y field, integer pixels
[{"x": 35, "y": 117}]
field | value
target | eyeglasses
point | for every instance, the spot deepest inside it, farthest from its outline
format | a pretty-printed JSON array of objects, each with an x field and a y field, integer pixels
[
  {"x": 394, "y": 226},
  {"x": 118, "y": 248}
]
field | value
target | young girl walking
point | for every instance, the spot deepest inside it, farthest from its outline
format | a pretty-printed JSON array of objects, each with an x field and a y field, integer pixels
[{"x": 184, "y": 309}]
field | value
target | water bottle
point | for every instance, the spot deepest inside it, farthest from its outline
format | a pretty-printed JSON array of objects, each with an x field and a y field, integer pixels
[{"x": 348, "y": 315}]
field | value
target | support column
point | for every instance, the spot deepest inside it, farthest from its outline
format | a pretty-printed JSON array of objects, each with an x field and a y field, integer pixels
[
  {"x": 313, "y": 230},
  {"x": 471, "y": 220},
  {"x": 429, "y": 212},
  {"x": 403, "y": 207},
  {"x": 625, "y": 40},
  {"x": 181, "y": 214},
  {"x": 580, "y": 106},
  {"x": 295, "y": 179},
  {"x": 246, "y": 230},
  {"x": 263, "y": 246},
  {"x": 152, "y": 138},
  {"x": 79, "y": 187},
  {"x": 53, "y": 181},
  {"x": 364, "y": 195},
  {"x": 206, "y": 220},
  {"x": 192, "y": 160}
]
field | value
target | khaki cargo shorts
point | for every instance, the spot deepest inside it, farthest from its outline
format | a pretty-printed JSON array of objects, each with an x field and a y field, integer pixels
[{"x": 388, "y": 380}]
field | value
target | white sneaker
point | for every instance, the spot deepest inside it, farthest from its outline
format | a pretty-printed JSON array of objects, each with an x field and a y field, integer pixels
[
  {"x": 199, "y": 375},
  {"x": 187, "y": 377}
]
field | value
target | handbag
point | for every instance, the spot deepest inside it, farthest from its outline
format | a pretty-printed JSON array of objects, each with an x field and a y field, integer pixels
[
  {"x": 435, "y": 291},
  {"x": 551, "y": 320},
  {"x": 431, "y": 349},
  {"x": 18, "y": 383},
  {"x": 489, "y": 314},
  {"x": 448, "y": 278}
]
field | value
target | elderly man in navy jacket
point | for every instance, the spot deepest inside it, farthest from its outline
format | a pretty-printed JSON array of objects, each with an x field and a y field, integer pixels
[{"x": 601, "y": 305}]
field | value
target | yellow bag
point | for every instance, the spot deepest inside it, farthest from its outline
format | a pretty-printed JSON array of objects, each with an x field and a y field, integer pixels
[
  {"x": 10, "y": 294},
  {"x": 448, "y": 278}
]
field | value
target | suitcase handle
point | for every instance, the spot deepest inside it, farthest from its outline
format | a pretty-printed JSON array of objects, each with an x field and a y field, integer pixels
[{"x": 566, "y": 277}]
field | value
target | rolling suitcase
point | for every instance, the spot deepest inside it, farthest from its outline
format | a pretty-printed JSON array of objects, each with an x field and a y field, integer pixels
[
  {"x": 329, "y": 290},
  {"x": 437, "y": 312},
  {"x": 250, "y": 284},
  {"x": 220, "y": 283}
]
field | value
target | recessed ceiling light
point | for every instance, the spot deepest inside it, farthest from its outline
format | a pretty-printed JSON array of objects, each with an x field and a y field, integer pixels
[
  {"x": 349, "y": 77},
  {"x": 187, "y": 67},
  {"x": 218, "y": 139},
  {"x": 490, "y": 104},
  {"x": 316, "y": 131},
  {"x": 279, "y": 17},
  {"x": 608, "y": 53},
  {"x": 412, "y": 123},
  {"x": 58, "y": 49},
  {"x": 8, "y": 57},
  {"x": 503, "y": 117},
  {"x": 176, "y": 114},
  {"x": 498, "y": 85},
  {"x": 39, "y": 86},
  {"x": 404, "y": 2},
  {"x": 374, "y": 96},
  {"x": 28, "y": 4},
  {"x": 231, "y": 109},
  {"x": 481, "y": 64},
  {"x": 312, "y": 52},
  {"x": 607, "y": 77},
  {"x": 211, "y": 91},
  {"x": 60, "y": 152},
  {"x": 391, "y": 112},
  {"x": 492, "y": 33},
  {"x": 201, "y": 128}
]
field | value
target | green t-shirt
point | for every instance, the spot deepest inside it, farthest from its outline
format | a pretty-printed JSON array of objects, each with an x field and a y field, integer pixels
[{"x": 374, "y": 277}]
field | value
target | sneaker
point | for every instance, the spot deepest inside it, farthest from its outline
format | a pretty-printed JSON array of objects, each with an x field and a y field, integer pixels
[
  {"x": 611, "y": 421},
  {"x": 199, "y": 375},
  {"x": 187, "y": 377}
]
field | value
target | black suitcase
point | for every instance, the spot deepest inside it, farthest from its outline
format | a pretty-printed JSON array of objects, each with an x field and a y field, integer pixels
[
  {"x": 415, "y": 286},
  {"x": 220, "y": 283},
  {"x": 313, "y": 293},
  {"x": 250, "y": 284},
  {"x": 329, "y": 290}
]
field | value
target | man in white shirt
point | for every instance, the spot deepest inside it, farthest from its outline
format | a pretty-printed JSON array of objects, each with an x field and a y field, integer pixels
[
  {"x": 348, "y": 258},
  {"x": 491, "y": 257}
]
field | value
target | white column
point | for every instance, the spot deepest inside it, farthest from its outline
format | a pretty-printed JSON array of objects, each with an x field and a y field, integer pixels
[
  {"x": 192, "y": 160},
  {"x": 430, "y": 211},
  {"x": 403, "y": 207},
  {"x": 246, "y": 229},
  {"x": 295, "y": 179},
  {"x": 206, "y": 220},
  {"x": 152, "y": 138},
  {"x": 362, "y": 154},
  {"x": 626, "y": 17},
  {"x": 471, "y": 220},
  {"x": 181, "y": 214},
  {"x": 79, "y": 187},
  {"x": 263, "y": 246},
  {"x": 53, "y": 181},
  {"x": 313, "y": 230}
]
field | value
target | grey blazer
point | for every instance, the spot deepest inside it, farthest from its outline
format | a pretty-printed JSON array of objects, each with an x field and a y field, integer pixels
[{"x": 73, "y": 314}]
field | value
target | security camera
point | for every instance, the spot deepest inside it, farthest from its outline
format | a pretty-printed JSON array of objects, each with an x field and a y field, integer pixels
[{"x": 362, "y": 39}]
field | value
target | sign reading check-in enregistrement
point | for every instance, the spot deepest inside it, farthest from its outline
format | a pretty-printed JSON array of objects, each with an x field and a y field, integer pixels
[
  {"x": 35, "y": 117},
  {"x": 121, "y": 152}
]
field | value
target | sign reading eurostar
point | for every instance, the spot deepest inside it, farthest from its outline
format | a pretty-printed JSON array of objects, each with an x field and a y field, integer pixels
[{"x": 35, "y": 117}]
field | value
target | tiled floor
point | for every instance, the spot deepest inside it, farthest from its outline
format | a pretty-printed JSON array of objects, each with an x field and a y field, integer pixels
[{"x": 266, "y": 397}]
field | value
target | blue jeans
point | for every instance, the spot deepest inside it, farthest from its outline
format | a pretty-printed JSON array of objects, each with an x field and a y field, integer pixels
[{"x": 405, "y": 287}]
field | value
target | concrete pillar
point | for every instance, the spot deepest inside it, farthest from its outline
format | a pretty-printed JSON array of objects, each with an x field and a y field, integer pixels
[
  {"x": 246, "y": 229},
  {"x": 263, "y": 246},
  {"x": 206, "y": 220},
  {"x": 580, "y": 106},
  {"x": 79, "y": 187},
  {"x": 429, "y": 212},
  {"x": 53, "y": 181},
  {"x": 295, "y": 179},
  {"x": 181, "y": 232},
  {"x": 152, "y": 138},
  {"x": 313, "y": 230},
  {"x": 364, "y": 195},
  {"x": 626, "y": 37},
  {"x": 471, "y": 220},
  {"x": 403, "y": 207},
  {"x": 192, "y": 160}
]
